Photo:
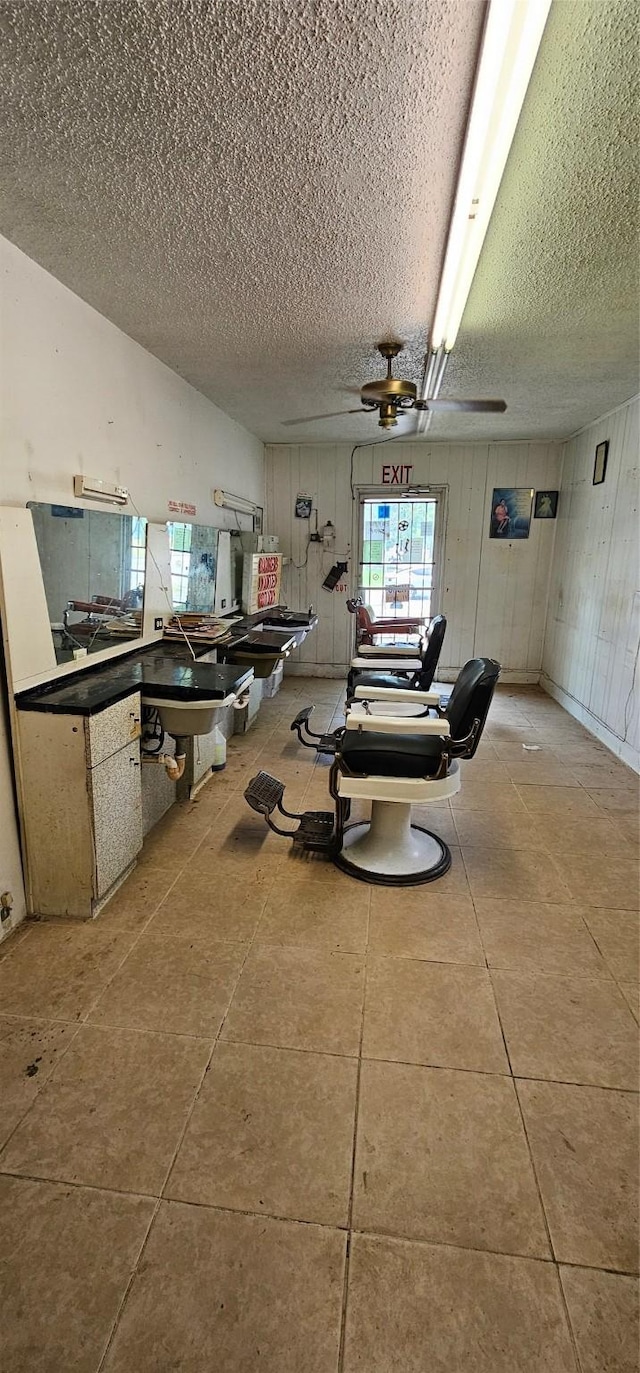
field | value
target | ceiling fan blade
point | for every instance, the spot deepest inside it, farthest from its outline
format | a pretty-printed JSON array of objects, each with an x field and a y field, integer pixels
[
  {"x": 443, "y": 406},
  {"x": 333, "y": 414}
]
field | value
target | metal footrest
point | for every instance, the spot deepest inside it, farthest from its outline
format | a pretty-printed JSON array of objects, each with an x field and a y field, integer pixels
[
  {"x": 316, "y": 828},
  {"x": 264, "y": 793},
  {"x": 322, "y": 743}
]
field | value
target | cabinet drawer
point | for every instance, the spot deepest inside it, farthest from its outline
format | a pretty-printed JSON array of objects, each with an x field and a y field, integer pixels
[
  {"x": 117, "y": 815},
  {"x": 111, "y": 729}
]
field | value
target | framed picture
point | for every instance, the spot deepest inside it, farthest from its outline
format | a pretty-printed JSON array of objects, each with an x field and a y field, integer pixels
[
  {"x": 600, "y": 464},
  {"x": 258, "y": 516},
  {"x": 546, "y": 505},
  {"x": 304, "y": 506},
  {"x": 511, "y": 508}
]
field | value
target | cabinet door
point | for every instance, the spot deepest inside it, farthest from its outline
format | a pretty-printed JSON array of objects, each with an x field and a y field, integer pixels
[
  {"x": 110, "y": 729},
  {"x": 117, "y": 815}
]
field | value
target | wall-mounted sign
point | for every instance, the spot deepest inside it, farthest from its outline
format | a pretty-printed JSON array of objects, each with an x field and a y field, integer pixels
[
  {"x": 511, "y": 508},
  {"x": 396, "y": 476},
  {"x": 304, "y": 506},
  {"x": 600, "y": 465},
  {"x": 546, "y": 506},
  {"x": 180, "y": 508}
]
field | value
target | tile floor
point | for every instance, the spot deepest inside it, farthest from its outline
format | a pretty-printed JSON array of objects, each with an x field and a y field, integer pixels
[{"x": 260, "y": 1116}]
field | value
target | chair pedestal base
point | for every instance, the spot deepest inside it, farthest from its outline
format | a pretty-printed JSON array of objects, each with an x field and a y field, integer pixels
[{"x": 391, "y": 851}]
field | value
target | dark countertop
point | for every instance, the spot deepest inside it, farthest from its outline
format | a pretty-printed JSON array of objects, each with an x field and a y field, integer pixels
[{"x": 166, "y": 671}]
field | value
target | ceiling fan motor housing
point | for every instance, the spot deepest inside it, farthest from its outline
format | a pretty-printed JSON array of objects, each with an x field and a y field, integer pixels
[{"x": 390, "y": 394}]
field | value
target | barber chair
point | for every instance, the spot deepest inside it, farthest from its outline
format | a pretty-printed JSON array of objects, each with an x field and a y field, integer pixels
[
  {"x": 368, "y": 626},
  {"x": 394, "y": 762},
  {"x": 411, "y": 674}
]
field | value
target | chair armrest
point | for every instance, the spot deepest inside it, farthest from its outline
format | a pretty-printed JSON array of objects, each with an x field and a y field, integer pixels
[
  {"x": 390, "y": 694},
  {"x": 394, "y": 664},
  {"x": 399, "y": 724}
]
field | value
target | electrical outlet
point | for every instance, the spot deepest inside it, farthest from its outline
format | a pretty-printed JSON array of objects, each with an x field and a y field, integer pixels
[{"x": 158, "y": 622}]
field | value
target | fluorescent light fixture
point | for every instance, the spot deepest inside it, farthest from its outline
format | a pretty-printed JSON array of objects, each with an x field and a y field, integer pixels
[
  {"x": 230, "y": 502},
  {"x": 95, "y": 489},
  {"x": 510, "y": 45}
]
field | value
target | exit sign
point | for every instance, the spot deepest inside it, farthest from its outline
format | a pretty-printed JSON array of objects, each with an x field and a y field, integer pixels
[{"x": 396, "y": 476}]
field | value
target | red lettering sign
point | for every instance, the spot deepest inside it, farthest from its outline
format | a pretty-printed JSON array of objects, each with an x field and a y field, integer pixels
[{"x": 396, "y": 476}]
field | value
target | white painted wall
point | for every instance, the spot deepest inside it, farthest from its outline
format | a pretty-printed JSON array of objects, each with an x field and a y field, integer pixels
[
  {"x": 78, "y": 395},
  {"x": 494, "y": 594},
  {"x": 593, "y": 629}
]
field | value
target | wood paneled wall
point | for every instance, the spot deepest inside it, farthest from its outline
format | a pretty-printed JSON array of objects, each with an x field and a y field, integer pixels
[
  {"x": 593, "y": 625},
  {"x": 494, "y": 594}
]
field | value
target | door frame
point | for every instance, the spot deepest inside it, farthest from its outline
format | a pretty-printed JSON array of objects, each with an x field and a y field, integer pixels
[{"x": 397, "y": 493}]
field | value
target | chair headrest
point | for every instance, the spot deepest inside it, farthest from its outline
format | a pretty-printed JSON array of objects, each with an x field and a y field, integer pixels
[{"x": 431, "y": 653}]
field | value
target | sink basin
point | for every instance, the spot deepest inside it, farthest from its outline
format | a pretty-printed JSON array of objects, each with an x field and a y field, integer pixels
[{"x": 187, "y": 718}]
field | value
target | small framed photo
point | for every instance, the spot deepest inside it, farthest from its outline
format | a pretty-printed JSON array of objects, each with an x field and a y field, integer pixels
[
  {"x": 304, "y": 506},
  {"x": 258, "y": 516},
  {"x": 511, "y": 508},
  {"x": 600, "y": 464},
  {"x": 546, "y": 505}
]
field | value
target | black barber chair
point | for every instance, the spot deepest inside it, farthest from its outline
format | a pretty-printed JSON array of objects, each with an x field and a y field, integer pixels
[
  {"x": 377, "y": 675},
  {"x": 393, "y": 762}
]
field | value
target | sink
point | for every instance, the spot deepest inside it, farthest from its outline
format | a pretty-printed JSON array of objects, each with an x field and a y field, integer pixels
[{"x": 184, "y": 719}]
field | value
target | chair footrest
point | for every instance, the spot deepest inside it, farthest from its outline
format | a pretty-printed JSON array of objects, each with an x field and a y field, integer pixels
[
  {"x": 302, "y": 717},
  {"x": 316, "y": 830},
  {"x": 264, "y": 793}
]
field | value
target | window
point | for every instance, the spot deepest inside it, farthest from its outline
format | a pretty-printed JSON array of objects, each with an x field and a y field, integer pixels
[
  {"x": 398, "y": 561},
  {"x": 180, "y": 545},
  {"x": 134, "y": 561}
]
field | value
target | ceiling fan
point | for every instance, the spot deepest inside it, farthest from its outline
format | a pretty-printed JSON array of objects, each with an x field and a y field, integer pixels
[{"x": 394, "y": 397}]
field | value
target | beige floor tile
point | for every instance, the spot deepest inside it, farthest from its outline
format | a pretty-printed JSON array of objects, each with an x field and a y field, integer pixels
[
  {"x": 566, "y": 802},
  {"x": 619, "y": 800},
  {"x": 207, "y": 908},
  {"x": 309, "y": 915},
  {"x": 419, "y": 923},
  {"x": 632, "y": 997},
  {"x": 59, "y": 970},
  {"x": 298, "y": 999},
  {"x": 603, "y": 1310},
  {"x": 541, "y": 773},
  {"x": 584, "y": 835},
  {"x": 571, "y": 1029},
  {"x": 522, "y": 874},
  {"x": 584, "y": 1143},
  {"x": 532, "y": 936},
  {"x": 10, "y": 941},
  {"x": 112, "y": 1114},
  {"x": 442, "y": 1156},
  {"x": 271, "y": 1132},
  {"x": 179, "y": 986},
  {"x": 495, "y": 799},
  {"x": 29, "y": 1051},
  {"x": 617, "y": 934},
  {"x": 485, "y": 831},
  {"x": 222, "y": 1291},
  {"x": 68, "y": 1254},
  {"x": 433, "y": 1013},
  {"x": 597, "y": 881},
  {"x": 607, "y": 773},
  {"x": 438, "y": 819},
  {"x": 422, "y": 1308}
]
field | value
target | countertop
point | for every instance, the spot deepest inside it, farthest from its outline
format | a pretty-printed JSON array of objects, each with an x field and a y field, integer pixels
[{"x": 165, "y": 671}]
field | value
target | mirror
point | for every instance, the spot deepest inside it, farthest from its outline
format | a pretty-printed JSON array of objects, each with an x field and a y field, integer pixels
[
  {"x": 194, "y": 550},
  {"x": 93, "y": 565}
]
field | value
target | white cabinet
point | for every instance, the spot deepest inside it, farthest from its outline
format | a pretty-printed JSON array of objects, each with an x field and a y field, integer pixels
[{"x": 82, "y": 805}]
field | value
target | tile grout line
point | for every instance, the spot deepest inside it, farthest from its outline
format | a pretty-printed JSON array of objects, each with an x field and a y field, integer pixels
[
  {"x": 161, "y": 1197},
  {"x": 347, "y": 1264}
]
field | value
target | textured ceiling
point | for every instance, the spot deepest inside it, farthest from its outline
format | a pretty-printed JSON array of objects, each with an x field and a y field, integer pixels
[{"x": 257, "y": 190}]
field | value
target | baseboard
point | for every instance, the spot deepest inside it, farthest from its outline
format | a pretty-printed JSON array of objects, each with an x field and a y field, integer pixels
[
  {"x": 620, "y": 747},
  {"x": 444, "y": 674}
]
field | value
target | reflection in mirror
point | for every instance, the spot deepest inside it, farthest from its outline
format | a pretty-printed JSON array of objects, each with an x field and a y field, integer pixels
[
  {"x": 93, "y": 572},
  {"x": 193, "y": 566}
]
